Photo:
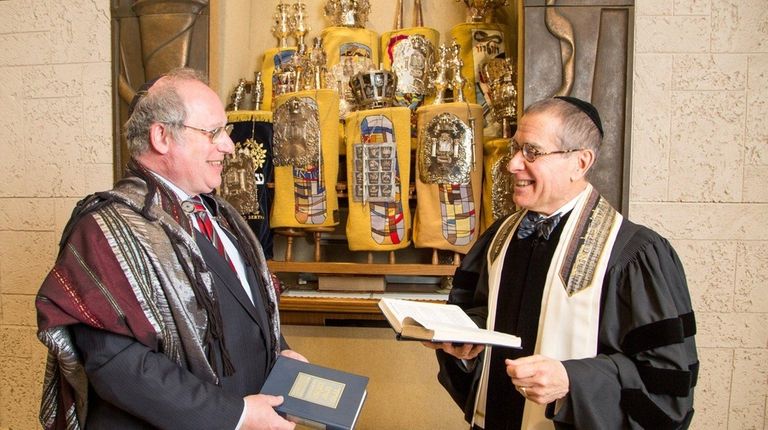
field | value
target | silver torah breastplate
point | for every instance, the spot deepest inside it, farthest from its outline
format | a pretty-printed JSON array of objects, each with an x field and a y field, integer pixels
[
  {"x": 445, "y": 153},
  {"x": 296, "y": 140}
]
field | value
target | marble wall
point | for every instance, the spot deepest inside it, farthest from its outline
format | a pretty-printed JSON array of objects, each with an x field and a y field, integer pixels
[{"x": 699, "y": 175}]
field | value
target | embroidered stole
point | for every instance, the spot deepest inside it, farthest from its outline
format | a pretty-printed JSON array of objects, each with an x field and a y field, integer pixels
[{"x": 570, "y": 304}]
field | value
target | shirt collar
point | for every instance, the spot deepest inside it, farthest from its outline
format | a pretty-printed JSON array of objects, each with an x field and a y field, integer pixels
[
  {"x": 180, "y": 194},
  {"x": 210, "y": 205}
]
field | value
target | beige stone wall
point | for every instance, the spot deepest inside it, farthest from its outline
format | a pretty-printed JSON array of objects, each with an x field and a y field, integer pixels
[
  {"x": 55, "y": 147},
  {"x": 699, "y": 176}
]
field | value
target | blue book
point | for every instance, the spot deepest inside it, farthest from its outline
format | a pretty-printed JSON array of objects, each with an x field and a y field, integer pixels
[{"x": 316, "y": 396}]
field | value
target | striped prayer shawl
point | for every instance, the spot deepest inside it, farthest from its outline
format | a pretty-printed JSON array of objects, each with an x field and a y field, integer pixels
[{"x": 127, "y": 264}]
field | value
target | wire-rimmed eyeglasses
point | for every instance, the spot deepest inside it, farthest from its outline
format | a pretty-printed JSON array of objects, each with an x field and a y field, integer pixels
[
  {"x": 214, "y": 133},
  {"x": 530, "y": 153}
]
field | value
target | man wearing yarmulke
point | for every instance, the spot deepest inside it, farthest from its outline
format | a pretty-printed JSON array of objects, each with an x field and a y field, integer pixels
[{"x": 601, "y": 303}]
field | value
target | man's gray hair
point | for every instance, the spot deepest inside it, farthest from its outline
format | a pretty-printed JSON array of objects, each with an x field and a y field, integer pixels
[
  {"x": 576, "y": 129},
  {"x": 163, "y": 104}
]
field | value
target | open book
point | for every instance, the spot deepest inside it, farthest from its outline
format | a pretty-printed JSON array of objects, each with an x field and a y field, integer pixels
[{"x": 437, "y": 322}]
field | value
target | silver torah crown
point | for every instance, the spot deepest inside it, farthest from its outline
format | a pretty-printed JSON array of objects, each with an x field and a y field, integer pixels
[
  {"x": 374, "y": 89},
  {"x": 347, "y": 13},
  {"x": 482, "y": 10},
  {"x": 501, "y": 76}
]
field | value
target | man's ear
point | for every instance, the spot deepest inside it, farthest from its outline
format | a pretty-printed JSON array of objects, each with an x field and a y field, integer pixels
[
  {"x": 586, "y": 158},
  {"x": 160, "y": 137}
]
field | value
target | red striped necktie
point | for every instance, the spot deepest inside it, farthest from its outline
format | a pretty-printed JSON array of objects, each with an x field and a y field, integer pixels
[{"x": 206, "y": 227}]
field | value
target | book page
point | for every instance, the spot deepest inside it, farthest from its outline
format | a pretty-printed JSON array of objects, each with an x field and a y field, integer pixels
[
  {"x": 429, "y": 314},
  {"x": 441, "y": 323},
  {"x": 478, "y": 335}
]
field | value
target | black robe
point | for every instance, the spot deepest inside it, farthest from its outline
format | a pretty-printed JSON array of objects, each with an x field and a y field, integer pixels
[{"x": 646, "y": 364}]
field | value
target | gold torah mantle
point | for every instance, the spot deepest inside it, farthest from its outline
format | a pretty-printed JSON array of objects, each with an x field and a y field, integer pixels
[
  {"x": 449, "y": 160},
  {"x": 378, "y": 177},
  {"x": 306, "y": 159}
]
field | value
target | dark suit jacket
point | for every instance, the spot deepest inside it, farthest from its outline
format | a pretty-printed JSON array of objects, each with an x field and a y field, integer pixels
[{"x": 133, "y": 387}]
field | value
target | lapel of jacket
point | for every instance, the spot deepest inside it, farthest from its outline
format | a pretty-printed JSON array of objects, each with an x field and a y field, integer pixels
[
  {"x": 258, "y": 302},
  {"x": 224, "y": 275}
]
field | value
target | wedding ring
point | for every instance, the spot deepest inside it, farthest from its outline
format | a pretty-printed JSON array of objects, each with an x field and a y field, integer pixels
[{"x": 523, "y": 390}]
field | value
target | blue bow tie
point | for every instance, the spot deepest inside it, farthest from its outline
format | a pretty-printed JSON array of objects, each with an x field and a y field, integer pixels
[{"x": 535, "y": 222}]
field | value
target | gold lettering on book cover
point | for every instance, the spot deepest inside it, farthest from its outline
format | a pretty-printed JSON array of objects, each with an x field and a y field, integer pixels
[{"x": 317, "y": 390}]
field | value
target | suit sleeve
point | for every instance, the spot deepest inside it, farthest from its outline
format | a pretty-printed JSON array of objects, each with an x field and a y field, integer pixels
[
  {"x": 646, "y": 367},
  {"x": 148, "y": 385}
]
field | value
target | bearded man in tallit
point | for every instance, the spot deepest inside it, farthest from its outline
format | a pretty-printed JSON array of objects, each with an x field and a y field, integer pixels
[{"x": 601, "y": 303}]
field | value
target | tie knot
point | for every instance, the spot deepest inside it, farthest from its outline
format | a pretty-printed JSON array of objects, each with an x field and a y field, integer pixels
[
  {"x": 543, "y": 226},
  {"x": 193, "y": 205}
]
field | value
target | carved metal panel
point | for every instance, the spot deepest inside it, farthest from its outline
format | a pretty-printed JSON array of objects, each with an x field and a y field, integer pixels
[
  {"x": 149, "y": 38},
  {"x": 582, "y": 48}
]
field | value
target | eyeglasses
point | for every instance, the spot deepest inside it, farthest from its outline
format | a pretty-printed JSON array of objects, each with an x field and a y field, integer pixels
[
  {"x": 213, "y": 134},
  {"x": 530, "y": 154}
]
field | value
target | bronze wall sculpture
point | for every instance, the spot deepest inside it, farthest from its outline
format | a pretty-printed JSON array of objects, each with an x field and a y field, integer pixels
[
  {"x": 149, "y": 38},
  {"x": 582, "y": 48}
]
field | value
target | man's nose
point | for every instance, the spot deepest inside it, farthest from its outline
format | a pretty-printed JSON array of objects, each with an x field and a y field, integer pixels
[
  {"x": 225, "y": 144},
  {"x": 516, "y": 163}
]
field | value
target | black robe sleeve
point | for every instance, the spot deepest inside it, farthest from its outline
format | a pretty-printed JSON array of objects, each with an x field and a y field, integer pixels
[{"x": 646, "y": 367}]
